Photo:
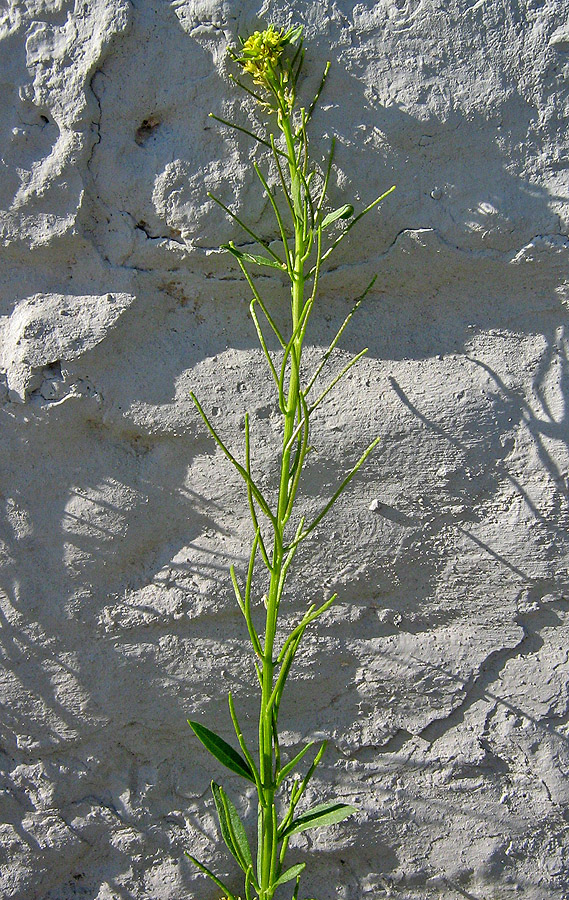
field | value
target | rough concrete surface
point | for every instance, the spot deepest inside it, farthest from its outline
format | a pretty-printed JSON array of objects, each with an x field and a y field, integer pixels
[{"x": 441, "y": 674}]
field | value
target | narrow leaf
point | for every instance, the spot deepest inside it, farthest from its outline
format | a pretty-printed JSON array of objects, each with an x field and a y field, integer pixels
[
  {"x": 339, "y": 333},
  {"x": 232, "y": 830},
  {"x": 320, "y": 816},
  {"x": 239, "y": 834},
  {"x": 222, "y": 751},
  {"x": 244, "y": 474},
  {"x": 252, "y": 257},
  {"x": 343, "y": 212},
  {"x": 296, "y": 887},
  {"x": 245, "y": 227},
  {"x": 259, "y": 841},
  {"x": 335, "y": 496},
  {"x": 239, "y": 127},
  {"x": 245, "y": 88},
  {"x": 293, "y": 34},
  {"x": 312, "y": 106},
  {"x": 295, "y": 191},
  {"x": 291, "y": 873},
  {"x": 327, "y": 176},
  {"x": 249, "y": 880},
  {"x": 241, "y": 739},
  {"x": 354, "y": 222},
  {"x": 213, "y": 877},
  {"x": 297, "y": 63},
  {"x": 223, "y": 823},
  {"x": 293, "y": 763}
]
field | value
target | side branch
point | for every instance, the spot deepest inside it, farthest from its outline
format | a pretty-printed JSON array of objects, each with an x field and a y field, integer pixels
[
  {"x": 354, "y": 222},
  {"x": 246, "y": 131},
  {"x": 243, "y": 472},
  {"x": 246, "y": 228},
  {"x": 338, "y": 335},
  {"x": 331, "y": 502}
]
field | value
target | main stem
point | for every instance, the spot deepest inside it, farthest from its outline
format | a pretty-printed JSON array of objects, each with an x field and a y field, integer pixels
[{"x": 268, "y": 838}]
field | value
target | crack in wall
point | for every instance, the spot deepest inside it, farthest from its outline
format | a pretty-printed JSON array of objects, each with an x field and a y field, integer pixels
[{"x": 97, "y": 123}]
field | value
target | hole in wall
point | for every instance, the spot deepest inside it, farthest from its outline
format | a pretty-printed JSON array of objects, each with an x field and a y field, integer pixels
[
  {"x": 53, "y": 370},
  {"x": 146, "y": 129}
]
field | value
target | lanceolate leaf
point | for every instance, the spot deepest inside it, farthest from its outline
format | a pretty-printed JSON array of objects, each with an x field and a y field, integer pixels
[
  {"x": 319, "y": 816},
  {"x": 232, "y": 830},
  {"x": 344, "y": 212},
  {"x": 222, "y": 751},
  {"x": 291, "y": 873},
  {"x": 252, "y": 257}
]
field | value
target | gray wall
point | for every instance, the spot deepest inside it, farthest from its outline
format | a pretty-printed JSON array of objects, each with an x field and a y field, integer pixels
[{"x": 441, "y": 674}]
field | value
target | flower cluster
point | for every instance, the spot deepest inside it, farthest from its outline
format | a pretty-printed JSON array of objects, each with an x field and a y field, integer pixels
[
  {"x": 261, "y": 57},
  {"x": 261, "y": 53}
]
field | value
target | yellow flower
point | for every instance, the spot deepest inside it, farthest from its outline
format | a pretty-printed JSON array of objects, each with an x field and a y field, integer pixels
[{"x": 261, "y": 52}]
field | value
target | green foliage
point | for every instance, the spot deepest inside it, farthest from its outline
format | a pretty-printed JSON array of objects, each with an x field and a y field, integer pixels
[
  {"x": 222, "y": 750},
  {"x": 232, "y": 830},
  {"x": 291, "y": 874},
  {"x": 297, "y": 192},
  {"x": 318, "y": 816},
  {"x": 344, "y": 212}
]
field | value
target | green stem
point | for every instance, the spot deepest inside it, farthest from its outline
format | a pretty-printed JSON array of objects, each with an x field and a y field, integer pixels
[
  {"x": 273, "y": 666},
  {"x": 269, "y": 831}
]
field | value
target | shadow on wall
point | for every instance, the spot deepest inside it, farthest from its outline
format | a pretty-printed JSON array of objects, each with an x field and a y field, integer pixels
[{"x": 115, "y": 573}]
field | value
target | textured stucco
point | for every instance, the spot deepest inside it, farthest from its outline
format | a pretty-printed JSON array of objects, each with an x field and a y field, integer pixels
[{"x": 441, "y": 674}]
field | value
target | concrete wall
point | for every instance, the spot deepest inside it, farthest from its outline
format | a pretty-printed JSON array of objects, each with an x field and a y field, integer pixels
[{"x": 441, "y": 674}]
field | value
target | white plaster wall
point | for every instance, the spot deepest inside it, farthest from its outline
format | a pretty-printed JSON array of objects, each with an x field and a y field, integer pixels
[{"x": 441, "y": 674}]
